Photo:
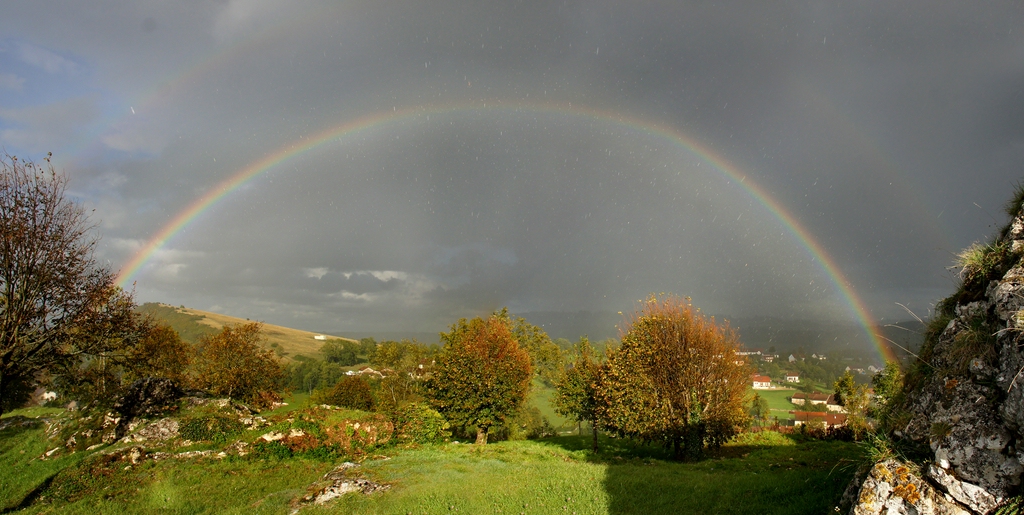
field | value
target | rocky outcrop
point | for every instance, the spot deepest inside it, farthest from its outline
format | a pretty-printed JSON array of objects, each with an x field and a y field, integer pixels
[
  {"x": 337, "y": 483},
  {"x": 149, "y": 396},
  {"x": 964, "y": 398}
]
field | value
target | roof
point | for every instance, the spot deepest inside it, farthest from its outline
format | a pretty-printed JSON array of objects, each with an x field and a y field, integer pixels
[{"x": 761, "y": 379}]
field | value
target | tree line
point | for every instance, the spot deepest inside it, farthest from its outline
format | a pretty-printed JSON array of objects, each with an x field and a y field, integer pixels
[{"x": 675, "y": 377}]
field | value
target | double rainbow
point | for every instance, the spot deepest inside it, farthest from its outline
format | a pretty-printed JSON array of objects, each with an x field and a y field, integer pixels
[{"x": 368, "y": 122}]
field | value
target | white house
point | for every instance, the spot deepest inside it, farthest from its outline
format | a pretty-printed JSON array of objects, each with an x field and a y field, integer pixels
[
  {"x": 320, "y": 337},
  {"x": 761, "y": 382},
  {"x": 792, "y": 377}
]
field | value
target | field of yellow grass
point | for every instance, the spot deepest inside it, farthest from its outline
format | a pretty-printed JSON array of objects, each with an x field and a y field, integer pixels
[{"x": 290, "y": 342}]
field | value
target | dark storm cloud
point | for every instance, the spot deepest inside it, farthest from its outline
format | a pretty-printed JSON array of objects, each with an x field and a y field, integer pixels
[{"x": 880, "y": 127}]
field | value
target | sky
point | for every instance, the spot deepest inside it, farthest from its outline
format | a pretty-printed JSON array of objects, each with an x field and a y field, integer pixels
[{"x": 361, "y": 166}]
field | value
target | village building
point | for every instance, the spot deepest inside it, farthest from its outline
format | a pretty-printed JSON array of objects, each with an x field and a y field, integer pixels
[
  {"x": 792, "y": 377},
  {"x": 761, "y": 382},
  {"x": 825, "y": 419},
  {"x": 826, "y": 399}
]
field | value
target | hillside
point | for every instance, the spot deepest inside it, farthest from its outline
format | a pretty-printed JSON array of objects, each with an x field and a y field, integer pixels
[{"x": 193, "y": 323}]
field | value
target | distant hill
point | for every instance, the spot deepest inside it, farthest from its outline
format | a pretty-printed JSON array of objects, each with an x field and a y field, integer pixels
[
  {"x": 191, "y": 324},
  {"x": 755, "y": 332}
]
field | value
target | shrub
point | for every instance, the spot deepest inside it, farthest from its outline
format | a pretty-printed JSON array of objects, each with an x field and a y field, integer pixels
[
  {"x": 419, "y": 423},
  {"x": 274, "y": 450},
  {"x": 350, "y": 392},
  {"x": 216, "y": 427}
]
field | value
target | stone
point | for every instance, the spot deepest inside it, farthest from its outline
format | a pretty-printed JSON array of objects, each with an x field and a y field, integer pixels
[
  {"x": 159, "y": 431},
  {"x": 892, "y": 488},
  {"x": 972, "y": 496},
  {"x": 149, "y": 396},
  {"x": 272, "y": 436}
]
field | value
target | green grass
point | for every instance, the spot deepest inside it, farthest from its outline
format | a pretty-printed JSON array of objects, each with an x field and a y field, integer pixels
[
  {"x": 543, "y": 398},
  {"x": 21, "y": 445},
  {"x": 778, "y": 402},
  {"x": 756, "y": 473}
]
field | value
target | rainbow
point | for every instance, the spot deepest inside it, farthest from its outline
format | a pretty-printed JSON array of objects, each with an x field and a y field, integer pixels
[{"x": 370, "y": 121}]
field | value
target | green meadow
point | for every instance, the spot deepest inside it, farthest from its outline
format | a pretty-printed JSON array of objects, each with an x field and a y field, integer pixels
[
  {"x": 778, "y": 402},
  {"x": 756, "y": 473}
]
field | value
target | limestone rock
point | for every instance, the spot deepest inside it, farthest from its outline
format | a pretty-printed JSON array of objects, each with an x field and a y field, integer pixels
[
  {"x": 892, "y": 488},
  {"x": 159, "y": 431},
  {"x": 148, "y": 396},
  {"x": 972, "y": 496},
  {"x": 339, "y": 484}
]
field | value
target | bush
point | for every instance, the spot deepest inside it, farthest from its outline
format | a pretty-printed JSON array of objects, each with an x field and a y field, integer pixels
[
  {"x": 215, "y": 427},
  {"x": 274, "y": 450},
  {"x": 350, "y": 392},
  {"x": 419, "y": 423}
]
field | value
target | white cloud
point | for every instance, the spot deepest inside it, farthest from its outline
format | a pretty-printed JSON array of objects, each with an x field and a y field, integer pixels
[
  {"x": 411, "y": 287},
  {"x": 45, "y": 59},
  {"x": 317, "y": 273},
  {"x": 11, "y": 81}
]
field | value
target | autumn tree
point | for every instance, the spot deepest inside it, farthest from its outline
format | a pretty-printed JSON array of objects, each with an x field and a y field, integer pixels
[
  {"x": 545, "y": 356},
  {"x": 233, "y": 363},
  {"x": 576, "y": 389},
  {"x": 675, "y": 378},
  {"x": 482, "y": 376},
  {"x": 349, "y": 392},
  {"x": 58, "y": 306},
  {"x": 160, "y": 352}
]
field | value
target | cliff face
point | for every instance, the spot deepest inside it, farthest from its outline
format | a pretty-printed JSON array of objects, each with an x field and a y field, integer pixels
[{"x": 964, "y": 398}]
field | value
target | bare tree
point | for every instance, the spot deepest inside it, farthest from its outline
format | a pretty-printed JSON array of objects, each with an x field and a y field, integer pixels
[{"x": 57, "y": 306}]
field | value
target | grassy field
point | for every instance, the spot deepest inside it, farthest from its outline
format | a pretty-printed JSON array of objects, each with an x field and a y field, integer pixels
[
  {"x": 291, "y": 342},
  {"x": 543, "y": 398},
  {"x": 757, "y": 473},
  {"x": 778, "y": 401}
]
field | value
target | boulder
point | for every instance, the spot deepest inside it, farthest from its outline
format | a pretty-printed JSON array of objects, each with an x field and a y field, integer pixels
[
  {"x": 149, "y": 396},
  {"x": 892, "y": 488}
]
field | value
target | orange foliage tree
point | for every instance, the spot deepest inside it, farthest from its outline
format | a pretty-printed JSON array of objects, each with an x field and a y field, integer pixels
[
  {"x": 158, "y": 353},
  {"x": 482, "y": 376},
  {"x": 676, "y": 378},
  {"x": 233, "y": 363}
]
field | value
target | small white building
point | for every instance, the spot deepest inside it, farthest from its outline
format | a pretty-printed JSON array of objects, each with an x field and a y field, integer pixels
[
  {"x": 792, "y": 377},
  {"x": 320, "y": 337},
  {"x": 761, "y": 382}
]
